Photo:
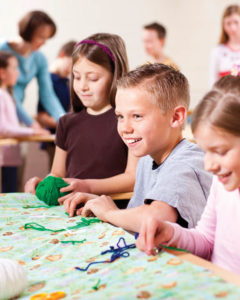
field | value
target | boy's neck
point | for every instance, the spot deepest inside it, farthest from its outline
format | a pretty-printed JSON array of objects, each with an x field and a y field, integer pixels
[{"x": 162, "y": 155}]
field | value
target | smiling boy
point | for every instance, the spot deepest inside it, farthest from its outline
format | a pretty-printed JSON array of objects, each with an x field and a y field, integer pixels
[{"x": 151, "y": 107}]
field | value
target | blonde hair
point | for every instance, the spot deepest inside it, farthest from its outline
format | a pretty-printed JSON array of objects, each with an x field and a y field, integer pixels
[
  {"x": 221, "y": 106},
  {"x": 230, "y": 10},
  {"x": 117, "y": 67},
  {"x": 167, "y": 86}
]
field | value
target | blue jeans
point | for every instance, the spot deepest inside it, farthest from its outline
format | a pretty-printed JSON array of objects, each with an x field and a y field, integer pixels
[{"x": 9, "y": 179}]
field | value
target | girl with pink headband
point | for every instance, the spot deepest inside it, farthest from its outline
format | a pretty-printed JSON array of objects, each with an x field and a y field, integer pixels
[{"x": 89, "y": 151}]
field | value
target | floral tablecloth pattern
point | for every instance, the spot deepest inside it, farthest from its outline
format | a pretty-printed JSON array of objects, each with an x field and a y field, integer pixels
[{"x": 50, "y": 264}]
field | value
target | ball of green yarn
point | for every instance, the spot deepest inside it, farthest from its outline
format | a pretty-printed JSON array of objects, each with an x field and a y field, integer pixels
[{"x": 48, "y": 190}]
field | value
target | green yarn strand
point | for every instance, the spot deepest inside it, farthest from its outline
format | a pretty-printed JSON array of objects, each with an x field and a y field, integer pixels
[{"x": 84, "y": 222}]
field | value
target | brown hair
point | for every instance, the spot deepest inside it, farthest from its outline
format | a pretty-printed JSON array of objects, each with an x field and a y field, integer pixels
[
  {"x": 68, "y": 48},
  {"x": 96, "y": 55},
  {"x": 230, "y": 10},
  {"x": 168, "y": 87},
  {"x": 160, "y": 29},
  {"x": 221, "y": 106},
  {"x": 33, "y": 20},
  {"x": 4, "y": 61}
]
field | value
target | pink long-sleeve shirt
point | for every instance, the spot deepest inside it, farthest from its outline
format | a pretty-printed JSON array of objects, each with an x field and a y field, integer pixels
[
  {"x": 217, "y": 235},
  {"x": 10, "y": 127}
]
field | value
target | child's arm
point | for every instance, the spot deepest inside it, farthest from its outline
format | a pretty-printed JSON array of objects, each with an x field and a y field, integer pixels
[
  {"x": 59, "y": 163},
  {"x": 117, "y": 184},
  {"x": 130, "y": 219},
  {"x": 199, "y": 241},
  {"x": 46, "y": 120}
]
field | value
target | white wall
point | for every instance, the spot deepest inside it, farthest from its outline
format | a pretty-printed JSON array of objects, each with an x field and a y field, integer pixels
[{"x": 193, "y": 30}]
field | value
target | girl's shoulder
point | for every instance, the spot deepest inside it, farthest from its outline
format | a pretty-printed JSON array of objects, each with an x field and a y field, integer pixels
[{"x": 70, "y": 117}]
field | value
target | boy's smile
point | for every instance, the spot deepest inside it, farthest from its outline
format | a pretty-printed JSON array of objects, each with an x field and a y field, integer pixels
[{"x": 142, "y": 125}]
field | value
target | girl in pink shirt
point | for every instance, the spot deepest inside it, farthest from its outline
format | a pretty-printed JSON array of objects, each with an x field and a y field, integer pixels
[
  {"x": 216, "y": 127},
  {"x": 9, "y": 125}
]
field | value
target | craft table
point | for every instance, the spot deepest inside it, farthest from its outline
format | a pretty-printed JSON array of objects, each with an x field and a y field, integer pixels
[{"x": 50, "y": 258}]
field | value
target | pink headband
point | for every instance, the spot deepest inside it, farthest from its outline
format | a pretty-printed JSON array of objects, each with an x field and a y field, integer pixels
[{"x": 103, "y": 47}]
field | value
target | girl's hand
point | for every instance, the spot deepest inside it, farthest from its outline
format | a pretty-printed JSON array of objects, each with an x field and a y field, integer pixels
[
  {"x": 75, "y": 185},
  {"x": 152, "y": 233},
  {"x": 31, "y": 184},
  {"x": 73, "y": 200}
]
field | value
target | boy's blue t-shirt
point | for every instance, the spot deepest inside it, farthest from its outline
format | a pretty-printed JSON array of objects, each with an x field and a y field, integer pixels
[{"x": 180, "y": 181}]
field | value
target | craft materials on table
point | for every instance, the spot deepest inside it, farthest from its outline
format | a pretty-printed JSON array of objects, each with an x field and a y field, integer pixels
[
  {"x": 48, "y": 190},
  {"x": 50, "y": 263}
]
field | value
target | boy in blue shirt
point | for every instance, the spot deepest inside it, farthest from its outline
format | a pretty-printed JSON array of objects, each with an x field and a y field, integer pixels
[{"x": 151, "y": 107}]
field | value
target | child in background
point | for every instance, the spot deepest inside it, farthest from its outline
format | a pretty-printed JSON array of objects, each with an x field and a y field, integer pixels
[
  {"x": 88, "y": 146},
  {"x": 216, "y": 127},
  {"x": 151, "y": 107},
  {"x": 10, "y": 157},
  {"x": 59, "y": 72},
  {"x": 225, "y": 58},
  {"x": 154, "y": 38}
]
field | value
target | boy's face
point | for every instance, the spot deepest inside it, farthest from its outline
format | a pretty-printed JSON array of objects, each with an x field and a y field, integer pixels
[
  {"x": 151, "y": 42},
  {"x": 144, "y": 128}
]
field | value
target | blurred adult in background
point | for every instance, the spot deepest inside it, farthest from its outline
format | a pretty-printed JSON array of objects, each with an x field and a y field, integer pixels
[
  {"x": 154, "y": 38},
  {"x": 225, "y": 58},
  {"x": 35, "y": 28}
]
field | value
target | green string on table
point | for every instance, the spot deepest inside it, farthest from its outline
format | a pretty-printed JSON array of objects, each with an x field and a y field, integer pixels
[
  {"x": 173, "y": 248},
  {"x": 96, "y": 286},
  {"x": 38, "y": 206},
  {"x": 84, "y": 222},
  {"x": 73, "y": 242}
]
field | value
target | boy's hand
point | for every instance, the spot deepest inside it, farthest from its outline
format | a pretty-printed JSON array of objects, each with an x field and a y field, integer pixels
[
  {"x": 100, "y": 207},
  {"x": 75, "y": 185},
  {"x": 31, "y": 184},
  {"x": 72, "y": 202},
  {"x": 152, "y": 233}
]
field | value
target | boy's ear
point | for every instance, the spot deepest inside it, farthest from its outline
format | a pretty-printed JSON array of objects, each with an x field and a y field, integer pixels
[{"x": 179, "y": 116}]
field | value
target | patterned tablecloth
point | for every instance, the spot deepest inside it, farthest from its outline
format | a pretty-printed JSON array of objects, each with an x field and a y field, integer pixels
[{"x": 50, "y": 264}]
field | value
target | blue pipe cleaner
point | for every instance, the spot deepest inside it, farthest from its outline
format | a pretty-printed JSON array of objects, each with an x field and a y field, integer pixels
[{"x": 116, "y": 253}]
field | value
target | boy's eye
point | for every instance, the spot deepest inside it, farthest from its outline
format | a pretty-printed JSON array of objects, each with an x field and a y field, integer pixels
[
  {"x": 221, "y": 152},
  {"x": 136, "y": 116},
  {"x": 119, "y": 117}
]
